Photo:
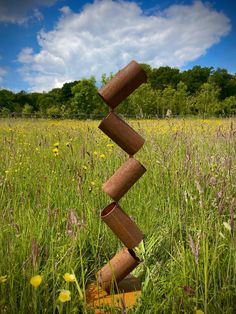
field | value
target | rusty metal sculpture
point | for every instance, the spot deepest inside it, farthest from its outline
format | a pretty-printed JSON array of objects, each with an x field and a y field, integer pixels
[{"x": 114, "y": 276}]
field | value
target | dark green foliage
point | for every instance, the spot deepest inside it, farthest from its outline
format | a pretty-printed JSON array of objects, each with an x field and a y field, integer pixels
[
  {"x": 85, "y": 98},
  {"x": 225, "y": 81},
  {"x": 163, "y": 77},
  {"x": 198, "y": 91},
  {"x": 195, "y": 77}
]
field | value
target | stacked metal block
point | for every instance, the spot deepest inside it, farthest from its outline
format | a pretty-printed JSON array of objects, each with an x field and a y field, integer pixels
[{"x": 113, "y": 93}]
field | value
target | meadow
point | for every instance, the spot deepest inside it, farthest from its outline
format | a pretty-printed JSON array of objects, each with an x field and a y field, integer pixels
[{"x": 51, "y": 173}]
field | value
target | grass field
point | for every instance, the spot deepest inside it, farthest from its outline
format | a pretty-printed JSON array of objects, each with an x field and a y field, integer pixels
[{"x": 51, "y": 174}]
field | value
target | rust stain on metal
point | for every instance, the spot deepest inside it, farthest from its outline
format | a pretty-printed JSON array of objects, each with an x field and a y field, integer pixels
[
  {"x": 117, "y": 268},
  {"x": 122, "y": 225},
  {"x": 121, "y": 133},
  {"x": 123, "y": 84},
  {"x": 123, "y": 179}
]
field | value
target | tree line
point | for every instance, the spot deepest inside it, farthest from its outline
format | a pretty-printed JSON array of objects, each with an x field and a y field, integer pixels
[{"x": 201, "y": 91}]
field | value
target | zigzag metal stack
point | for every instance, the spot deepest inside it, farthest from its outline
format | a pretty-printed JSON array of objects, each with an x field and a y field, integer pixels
[{"x": 114, "y": 274}]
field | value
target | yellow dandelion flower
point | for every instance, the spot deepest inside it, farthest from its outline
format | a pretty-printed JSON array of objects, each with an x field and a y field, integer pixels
[
  {"x": 56, "y": 144},
  {"x": 102, "y": 156},
  {"x": 69, "y": 277},
  {"x": 55, "y": 151},
  {"x": 85, "y": 167},
  {"x": 3, "y": 279},
  {"x": 95, "y": 153},
  {"x": 64, "y": 296},
  {"x": 36, "y": 281},
  {"x": 110, "y": 145},
  {"x": 199, "y": 312}
]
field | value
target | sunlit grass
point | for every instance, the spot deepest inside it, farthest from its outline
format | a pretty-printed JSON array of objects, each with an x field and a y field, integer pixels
[{"x": 51, "y": 173}]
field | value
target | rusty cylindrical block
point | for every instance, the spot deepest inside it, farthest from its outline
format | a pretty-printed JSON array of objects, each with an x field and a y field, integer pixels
[
  {"x": 117, "y": 268},
  {"x": 122, "y": 225},
  {"x": 123, "y": 179},
  {"x": 123, "y": 84},
  {"x": 121, "y": 133}
]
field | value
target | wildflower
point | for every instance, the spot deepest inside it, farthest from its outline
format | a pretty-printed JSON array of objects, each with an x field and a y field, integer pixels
[
  {"x": 92, "y": 183},
  {"x": 64, "y": 296},
  {"x": 110, "y": 145},
  {"x": 3, "y": 279},
  {"x": 227, "y": 226},
  {"x": 69, "y": 277},
  {"x": 55, "y": 151},
  {"x": 85, "y": 167},
  {"x": 199, "y": 312},
  {"x": 95, "y": 153},
  {"x": 102, "y": 156},
  {"x": 56, "y": 144},
  {"x": 36, "y": 281}
]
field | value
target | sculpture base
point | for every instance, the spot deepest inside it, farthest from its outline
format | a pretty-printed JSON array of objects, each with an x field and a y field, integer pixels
[{"x": 129, "y": 290}]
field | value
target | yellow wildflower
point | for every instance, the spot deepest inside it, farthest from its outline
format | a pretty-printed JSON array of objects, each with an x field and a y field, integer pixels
[
  {"x": 110, "y": 145},
  {"x": 56, "y": 144},
  {"x": 64, "y": 296},
  {"x": 102, "y": 156},
  {"x": 95, "y": 153},
  {"x": 69, "y": 277},
  {"x": 92, "y": 183},
  {"x": 85, "y": 167},
  {"x": 36, "y": 281},
  {"x": 199, "y": 312},
  {"x": 3, "y": 279},
  {"x": 55, "y": 151}
]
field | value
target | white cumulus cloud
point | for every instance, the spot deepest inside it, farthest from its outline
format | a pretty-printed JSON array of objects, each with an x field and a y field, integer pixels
[{"x": 106, "y": 35}]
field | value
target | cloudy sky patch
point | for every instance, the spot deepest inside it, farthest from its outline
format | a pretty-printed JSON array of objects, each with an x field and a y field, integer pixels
[{"x": 106, "y": 35}]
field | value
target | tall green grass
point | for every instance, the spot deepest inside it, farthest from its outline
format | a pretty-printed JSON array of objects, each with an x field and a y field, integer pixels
[{"x": 50, "y": 214}]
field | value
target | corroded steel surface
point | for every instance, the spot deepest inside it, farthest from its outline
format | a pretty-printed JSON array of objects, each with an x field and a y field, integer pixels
[
  {"x": 123, "y": 84},
  {"x": 122, "y": 225},
  {"x": 117, "y": 268},
  {"x": 121, "y": 133},
  {"x": 123, "y": 179}
]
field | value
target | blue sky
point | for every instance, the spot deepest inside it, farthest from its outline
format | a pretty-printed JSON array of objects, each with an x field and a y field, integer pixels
[{"x": 45, "y": 43}]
